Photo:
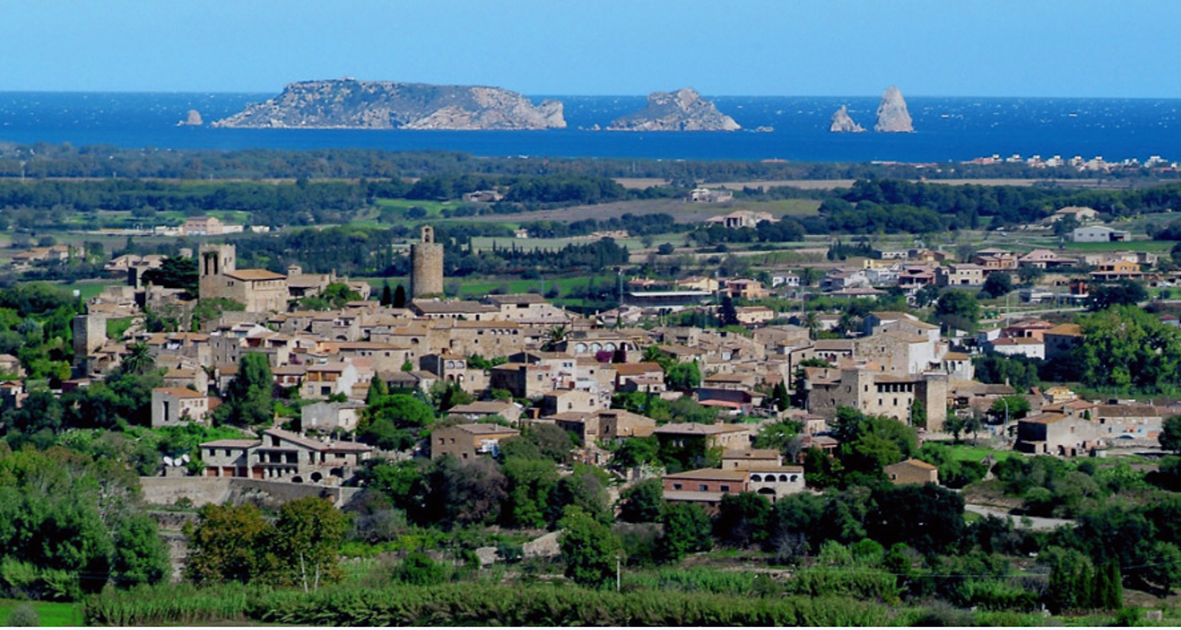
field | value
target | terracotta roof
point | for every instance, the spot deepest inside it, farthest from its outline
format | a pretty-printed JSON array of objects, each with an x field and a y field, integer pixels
[
  {"x": 711, "y": 473},
  {"x": 253, "y": 274},
  {"x": 1065, "y": 330},
  {"x": 179, "y": 392},
  {"x": 230, "y": 444},
  {"x": 916, "y": 463}
]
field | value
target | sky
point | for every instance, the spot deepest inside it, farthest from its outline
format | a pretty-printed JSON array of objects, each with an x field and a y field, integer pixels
[{"x": 1003, "y": 48}]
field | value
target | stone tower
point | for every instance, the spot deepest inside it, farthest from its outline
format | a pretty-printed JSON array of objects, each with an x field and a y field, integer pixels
[
  {"x": 215, "y": 260},
  {"x": 90, "y": 333},
  {"x": 426, "y": 271},
  {"x": 934, "y": 389}
]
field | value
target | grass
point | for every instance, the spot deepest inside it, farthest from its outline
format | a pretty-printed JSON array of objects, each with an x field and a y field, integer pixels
[
  {"x": 1135, "y": 246},
  {"x": 967, "y": 453},
  {"x": 53, "y": 614},
  {"x": 529, "y": 244},
  {"x": 89, "y": 288}
]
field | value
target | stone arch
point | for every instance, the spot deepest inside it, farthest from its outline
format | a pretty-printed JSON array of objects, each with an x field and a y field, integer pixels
[
  {"x": 297, "y": 479},
  {"x": 317, "y": 477},
  {"x": 756, "y": 478}
]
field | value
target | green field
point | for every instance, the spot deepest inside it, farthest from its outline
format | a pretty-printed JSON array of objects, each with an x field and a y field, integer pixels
[
  {"x": 53, "y": 614},
  {"x": 1136, "y": 246},
  {"x": 89, "y": 288},
  {"x": 632, "y": 243},
  {"x": 967, "y": 453}
]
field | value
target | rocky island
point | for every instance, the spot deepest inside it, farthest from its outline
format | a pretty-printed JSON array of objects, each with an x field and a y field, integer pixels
[
  {"x": 683, "y": 110},
  {"x": 352, "y": 104},
  {"x": 843, "y": 123},
  {"x": 192, "y": 119},
  {"x": 892, "y": 114}
]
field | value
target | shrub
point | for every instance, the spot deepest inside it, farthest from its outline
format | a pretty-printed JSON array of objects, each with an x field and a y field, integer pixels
[
  {"x": 24, "y": 615},
  {"x": 419, "y": 570}
]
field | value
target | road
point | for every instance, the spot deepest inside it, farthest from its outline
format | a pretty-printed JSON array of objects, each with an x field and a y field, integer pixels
[{"x": 1036, "y": 522}]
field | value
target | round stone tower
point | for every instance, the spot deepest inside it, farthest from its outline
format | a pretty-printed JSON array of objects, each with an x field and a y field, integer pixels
[{"x": 426, "y": 271}]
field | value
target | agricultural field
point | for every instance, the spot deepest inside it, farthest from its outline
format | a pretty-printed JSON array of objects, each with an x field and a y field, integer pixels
[{"x": 683, "y": 211}]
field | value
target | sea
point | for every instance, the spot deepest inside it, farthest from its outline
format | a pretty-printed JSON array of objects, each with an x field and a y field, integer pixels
[{"x": 794, "y": 128}]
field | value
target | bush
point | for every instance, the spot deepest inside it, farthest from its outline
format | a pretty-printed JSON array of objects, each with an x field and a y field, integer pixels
[
  {"x": 419, "y": 570},
  {"x": 24, "y": 615}
]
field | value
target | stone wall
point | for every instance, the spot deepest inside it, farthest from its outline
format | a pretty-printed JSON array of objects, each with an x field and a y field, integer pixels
[{"x": 236, "y": 490}]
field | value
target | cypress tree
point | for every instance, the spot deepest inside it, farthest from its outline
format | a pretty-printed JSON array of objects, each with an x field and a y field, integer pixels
[
  {"x": 399, "y": 300},
  {"x": 387, "y": 296}
]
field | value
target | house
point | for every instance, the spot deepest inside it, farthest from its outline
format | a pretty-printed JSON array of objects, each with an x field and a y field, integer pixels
[
  {"x": 327, "y": 417},
  {"x": 1061, "y": 340},
  {"x": 1082, "y": 214},
  {"x": 1057, "y": 434},
  {"x": 685, "y": 434},
  {"x": 1045, "y": 259},
  {"x": 605, "y": 426},
  {"x": 912, "y": 471},
  {"x": 201, "y": 226},
  {"x": 1011, "y": 346},
  {"x": 707, "y": 486},
  {"x": 787, "y": 279},
  {"x": 746, "y": 289},
  {"x": 332, "y": 378},
  {"x": 960, "y": 275},
  {"x": 483, "y": 409},
  {"x": 1116, "y": 270},
  {"x": 469, "y": 441},
  {"x": 706, "y": 195},
  {"x": 754, "y": 315},
  {"x": 284, "y": 456},
  {"x": 176, "y": 406},
  {"x": 566, "y": 400}
]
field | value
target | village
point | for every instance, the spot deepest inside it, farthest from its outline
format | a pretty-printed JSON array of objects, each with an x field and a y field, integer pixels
[{"x": 522, "y": 361}]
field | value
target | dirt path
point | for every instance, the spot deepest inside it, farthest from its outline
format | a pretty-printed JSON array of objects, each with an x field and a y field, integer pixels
[{"x": 1036, "y": 522}]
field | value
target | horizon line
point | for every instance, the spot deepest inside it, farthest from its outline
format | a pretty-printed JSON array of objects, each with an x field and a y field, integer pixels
[{"x": 587, "y": 95}]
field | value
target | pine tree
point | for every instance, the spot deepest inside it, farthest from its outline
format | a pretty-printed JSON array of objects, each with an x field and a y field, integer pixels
[{"x": 782, "y": 400}]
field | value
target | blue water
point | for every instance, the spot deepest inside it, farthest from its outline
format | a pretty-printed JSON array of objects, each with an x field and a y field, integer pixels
[{"x": 947, "y": 129}]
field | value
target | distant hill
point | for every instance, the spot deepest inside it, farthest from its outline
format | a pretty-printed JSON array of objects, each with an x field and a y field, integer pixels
[{"x": 352, "y": 104}]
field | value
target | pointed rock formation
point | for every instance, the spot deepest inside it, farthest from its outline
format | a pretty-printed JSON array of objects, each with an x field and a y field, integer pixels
[
  {"x": 192, "y": 119},
  {"x": 683, "y": 110},
  {"x": 892, "y": 114},
  {"x": 842, "y": 123}
]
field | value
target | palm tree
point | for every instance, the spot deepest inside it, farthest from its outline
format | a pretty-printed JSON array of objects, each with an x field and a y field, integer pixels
[
  {"x": 556, "y": 335},
  {"x": 812, "y": 323},
  {"x": 139, "y": 359}
]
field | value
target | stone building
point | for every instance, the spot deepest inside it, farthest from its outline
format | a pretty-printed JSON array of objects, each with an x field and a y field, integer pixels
[
  {"x": 876, "y": 393},
  {"x": 469, "y": 441},
  {"x": 259, "y": 290},
  {"x": 426, "y": 271},
  {"x": 176, "y": 406}
]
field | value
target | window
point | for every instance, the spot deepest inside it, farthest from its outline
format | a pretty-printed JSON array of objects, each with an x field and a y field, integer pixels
[
  {"x": 703, "y": 487},
  {"x": 676, "y": 486},
  {"x": 725, "y": 488}
]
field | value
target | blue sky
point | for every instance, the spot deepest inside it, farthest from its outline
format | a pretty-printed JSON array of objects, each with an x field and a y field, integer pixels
[{"x": 1108, "y": 48}]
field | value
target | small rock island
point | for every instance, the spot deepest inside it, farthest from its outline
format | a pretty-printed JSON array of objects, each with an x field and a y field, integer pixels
[
  {"x": 683, "y": 110},
  {"x": 892, "y": 114},
  {"x": 192, "y": 119},
  {"x": 352, "y": 104},
  {"x": 843, "y": 123}
]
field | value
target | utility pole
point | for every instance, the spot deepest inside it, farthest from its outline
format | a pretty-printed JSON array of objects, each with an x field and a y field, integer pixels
[{"x": 618, "y": 572}]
